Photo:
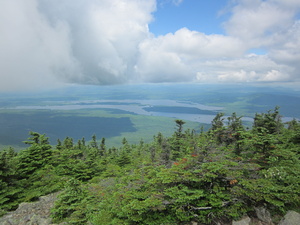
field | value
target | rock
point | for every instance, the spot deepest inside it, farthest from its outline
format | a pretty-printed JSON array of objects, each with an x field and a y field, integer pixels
[
  {"x": 244, "y": 221},
  {"x": 263, "y": 215},
  {"x": 33, "y": 213},
  {"x": 291, "y": 218}
]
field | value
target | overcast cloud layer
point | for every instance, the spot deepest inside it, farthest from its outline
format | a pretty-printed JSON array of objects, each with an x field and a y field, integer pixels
[{"x": 44, "y": 43}]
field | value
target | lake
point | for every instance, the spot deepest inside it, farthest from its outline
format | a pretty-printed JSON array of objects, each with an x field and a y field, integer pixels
[
  {"x": 204, "y": 113},
  {"x": 133, "y": 111}
]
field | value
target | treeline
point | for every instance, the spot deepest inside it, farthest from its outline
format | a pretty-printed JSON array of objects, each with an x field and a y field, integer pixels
[{"x": 205, "y": 177}]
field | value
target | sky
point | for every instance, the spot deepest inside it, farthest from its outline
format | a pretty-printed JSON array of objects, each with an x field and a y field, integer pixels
[{"x": 46, "y": 43}]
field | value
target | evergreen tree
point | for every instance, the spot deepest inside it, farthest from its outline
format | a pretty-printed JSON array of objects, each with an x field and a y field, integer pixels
[
  {"x": 177, "y": 142},
  {"x": 233, "y": 132},
  {"x": 36, "y": 156},
  {"x": 29, "y": 164},
  {"x": 217, "y": 127},
  {"x": 123, "y": 158},
  {"x": 153, "y": 153},
  {"x": 210, "y": 180},
  {"x": 217, "y": 123},
  {"x": 9, "y": 191},
  {"x": 166, "y": 153},
  {"x": 294, "y": 131},
  {"x": 83, "y": 141},
  {"x": 59, "y": 144},
  {"x": 69, "y": 205},
  {"x": 235, "y": 123},
  {"x": 102, "y": 147},
  {"x": 94, "y": 143},
  {"x": 159, "y": 138},
  {"x": 68, "y": 143},
  {"x": 124, "y": 141},
  {"x": 268, "y": 122}
]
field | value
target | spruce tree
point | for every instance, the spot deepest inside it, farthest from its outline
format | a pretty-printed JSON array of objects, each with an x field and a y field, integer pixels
[
  {"x": 9, "y": 191},
  {"x": 177, "y": 142},
  {"x": 36, "y": 156}
]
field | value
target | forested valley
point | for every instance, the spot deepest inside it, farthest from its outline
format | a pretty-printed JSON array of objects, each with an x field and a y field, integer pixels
[{"x": 206, "y": 177}]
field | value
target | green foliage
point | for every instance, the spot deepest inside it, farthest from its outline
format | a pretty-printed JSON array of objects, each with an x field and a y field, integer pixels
[
  {"x": 123, "y": 158},
  {"x": 206, "y": 178},
  {"x": 70, "y": 204},
  {"x": 34, "y": 157},
  {"x": 268, "y": 122},
  {"x": 9, "y": 191}
]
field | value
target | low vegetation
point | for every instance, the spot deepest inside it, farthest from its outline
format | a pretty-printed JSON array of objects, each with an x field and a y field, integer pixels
[{"x": 205, "y": 177}]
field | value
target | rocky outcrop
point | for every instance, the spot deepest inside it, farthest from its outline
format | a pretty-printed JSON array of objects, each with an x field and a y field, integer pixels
[
  {"x": 291, "y": 218},
  {"x": 34, "y": 213},
  {"x": 38, "y": 213},
  {"x": 264, "y": 218},
  {"x": 263, "y": 215},
  {"x": 243, "y": 221}
]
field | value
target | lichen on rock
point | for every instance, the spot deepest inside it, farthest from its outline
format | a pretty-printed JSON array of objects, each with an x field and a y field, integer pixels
[{"x": 33, "y": 213}]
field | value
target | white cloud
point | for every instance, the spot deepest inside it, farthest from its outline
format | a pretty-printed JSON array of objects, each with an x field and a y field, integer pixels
[
  {"x": 175, "y": 57},
  {"x": 252, "y": 76},
  {"x": 174, "y": 2},
  {"x": 251, "y": 68},
  {"x": 177, "y": 2},
  {"x": 256, "y": 21},
  {"x": 270, "y": 25},
  {"x": 286, "y": 50},
  {"x": 73, "y": 41},
  {"x": 291, "y": 4},
  {"x": 105, "y": 35},
  {"x": 274, "y": 75},
  {"x": 108, "y": 41},
  {"x": 157, "y": 65},
  {"x": 199, "y": 45},
  {"x": 31, "y": 51}
]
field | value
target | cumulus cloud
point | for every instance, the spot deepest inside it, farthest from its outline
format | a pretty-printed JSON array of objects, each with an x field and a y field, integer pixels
[
  {"x": 286, "y": 52},
  {"x": 252, "y": 76},
  {"x": 255, "y": 20},
  {"x": 43, "y": 43},
  {"x": 31, "y": 50},
  {"x": 177, "y": 57},
  {"x": 93, "y": 42},
  {"x": 105, "y": 35},
  {"x": 271, "y": 25},
  {"x": 250, "y": 68}
]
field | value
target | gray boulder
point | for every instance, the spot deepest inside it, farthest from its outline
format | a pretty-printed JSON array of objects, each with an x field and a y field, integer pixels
[
  {"x": 33, "y": 213},
  {"x": 291, "y": 218},
  {"x": 263, "y": 215},
  {"x": 243, "y": 221}
]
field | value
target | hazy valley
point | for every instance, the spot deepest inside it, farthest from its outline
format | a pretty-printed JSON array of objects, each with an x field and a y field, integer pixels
[{"x": 136, "y": 112}]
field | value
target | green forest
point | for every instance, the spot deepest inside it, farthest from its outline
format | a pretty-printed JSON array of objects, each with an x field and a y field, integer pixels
[{"x": 205, "y": 177}]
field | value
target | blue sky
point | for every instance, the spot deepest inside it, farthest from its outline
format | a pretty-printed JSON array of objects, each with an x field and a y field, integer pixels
[
  {"x": 204, "y": 16},
  {"x": 102, "y": 42}
]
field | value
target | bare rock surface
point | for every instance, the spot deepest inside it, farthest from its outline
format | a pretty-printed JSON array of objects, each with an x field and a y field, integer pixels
[
  {"x": 291, "y": 218},
  {"x": 243, "y": 221},
  {"x": 38, "y": 213},
  {"x": 263, "y": 215},
  {"x": 33, "y": 213}
]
